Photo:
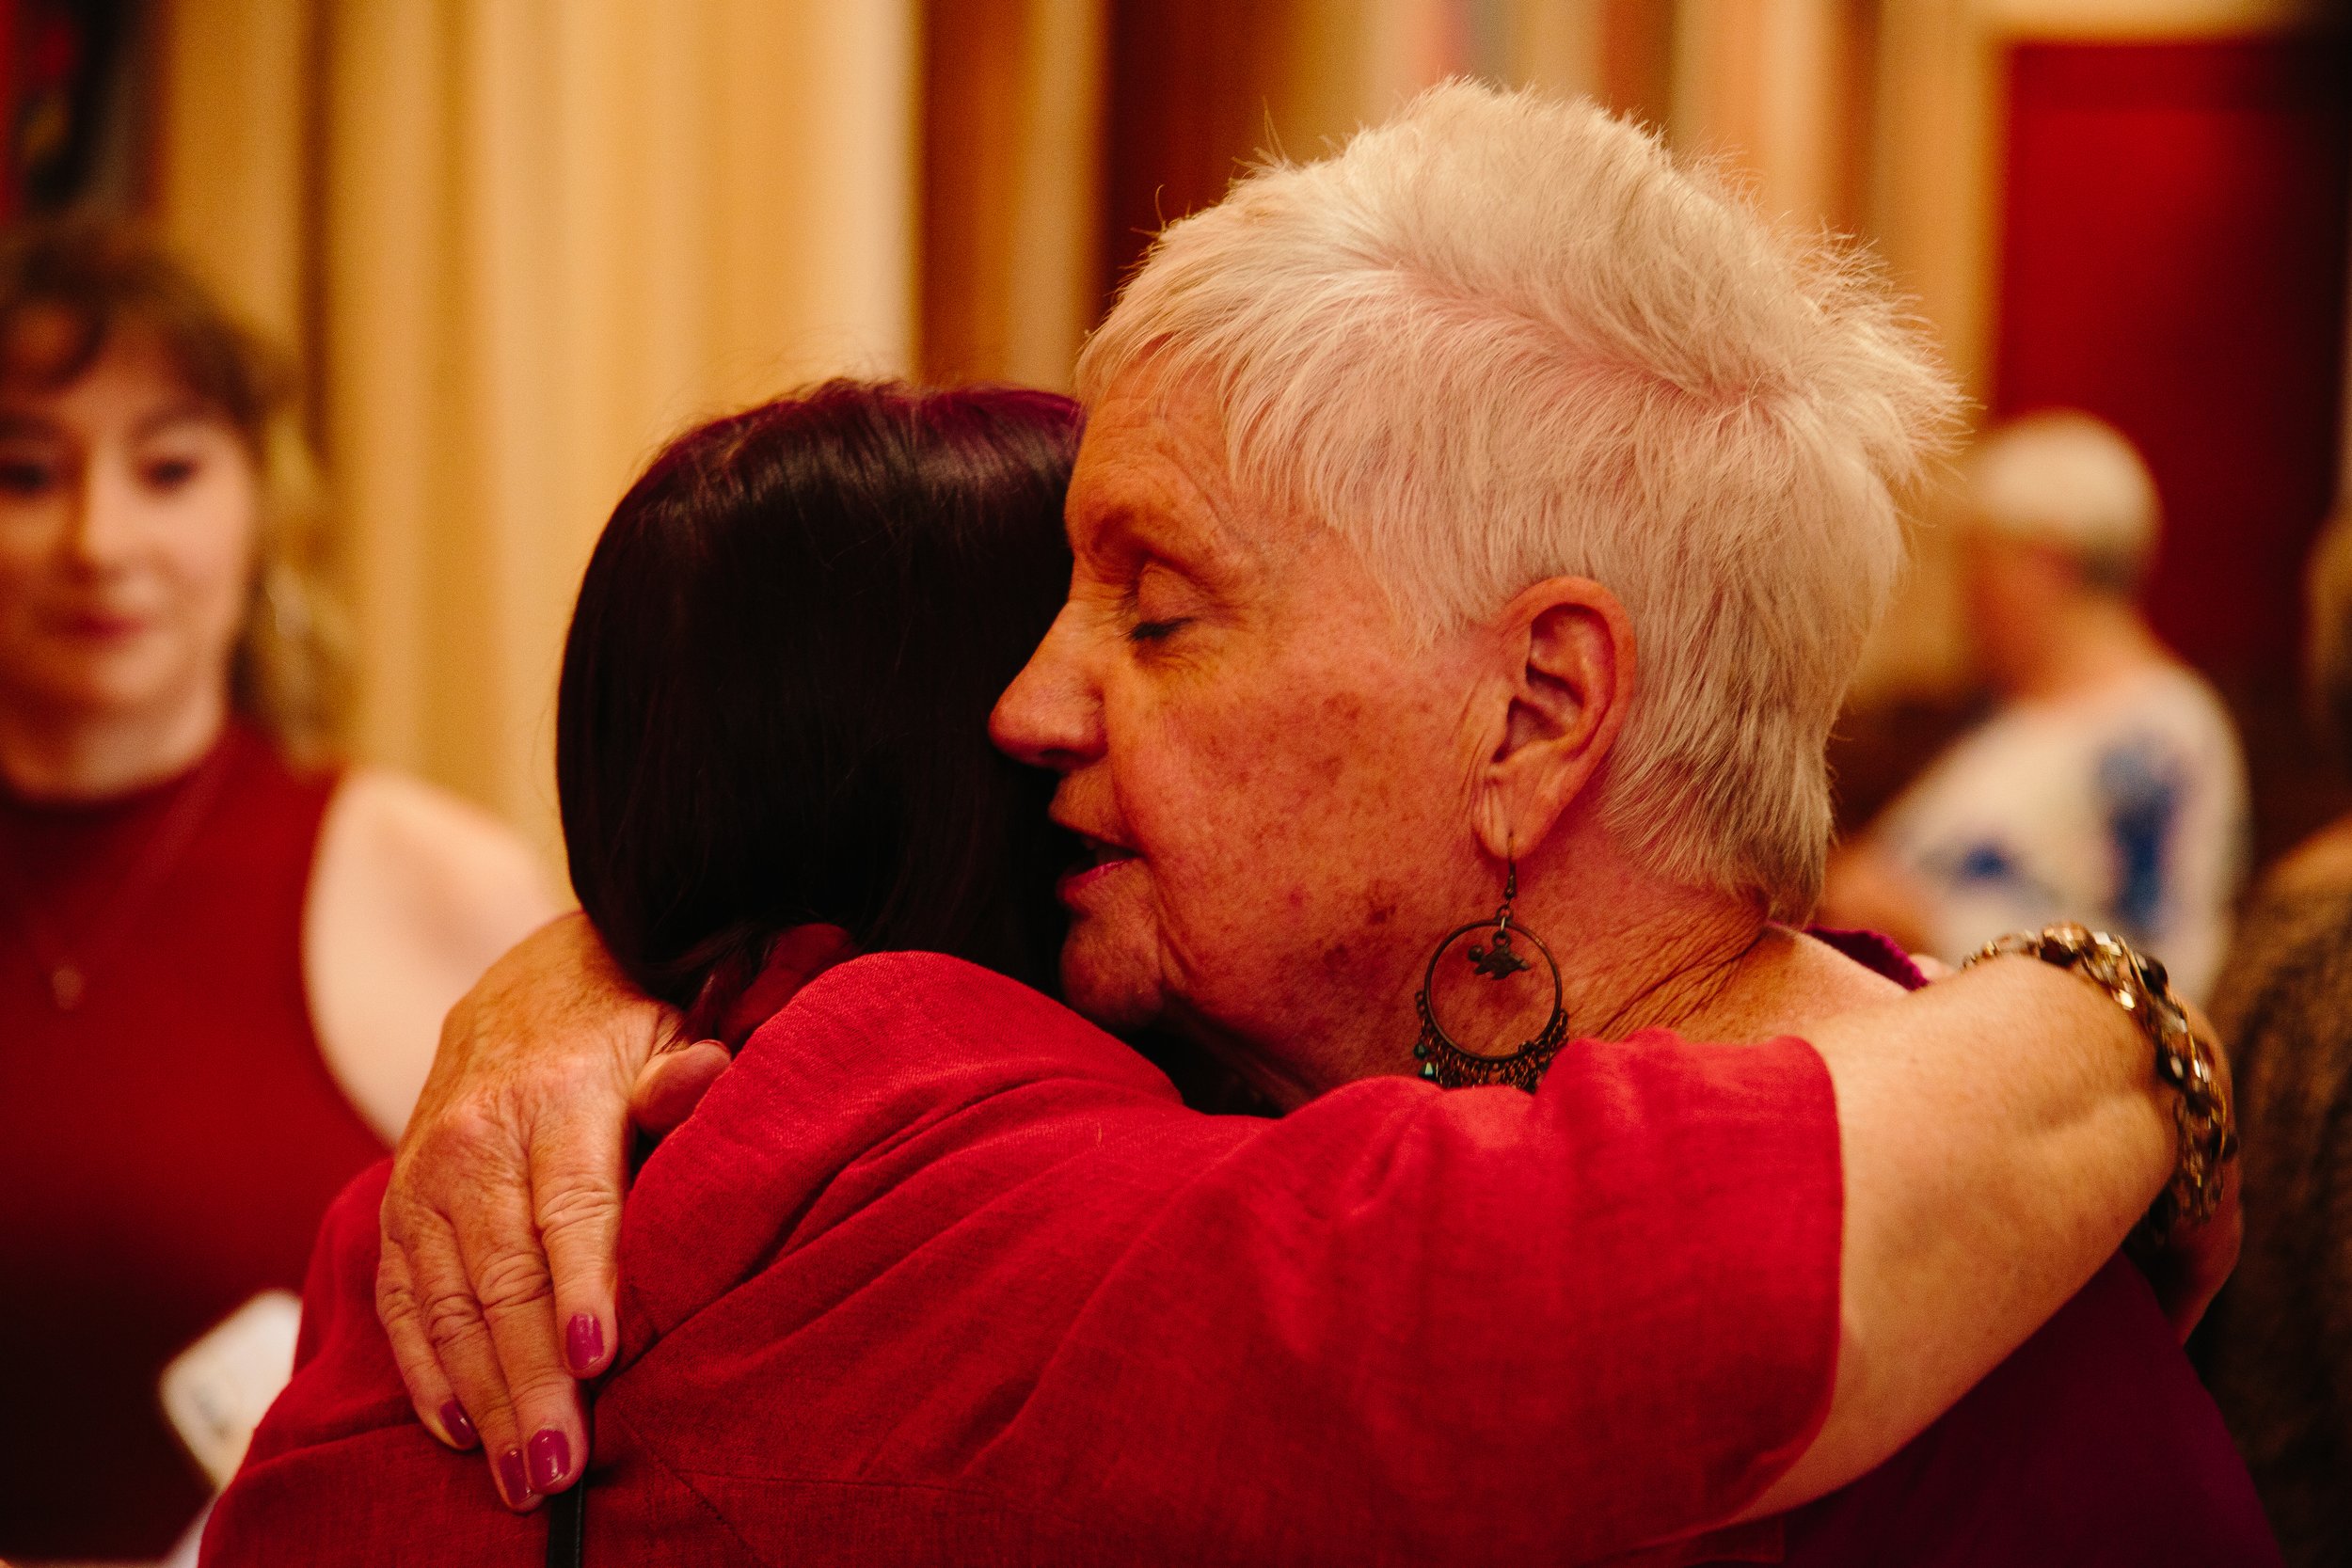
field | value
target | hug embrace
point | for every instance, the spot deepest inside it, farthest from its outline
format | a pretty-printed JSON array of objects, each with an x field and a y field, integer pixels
[{"x": 1389, "y": 704}]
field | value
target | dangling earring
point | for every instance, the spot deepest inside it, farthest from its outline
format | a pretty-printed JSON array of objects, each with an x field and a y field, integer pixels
[{"x": 1494, "y": 957}]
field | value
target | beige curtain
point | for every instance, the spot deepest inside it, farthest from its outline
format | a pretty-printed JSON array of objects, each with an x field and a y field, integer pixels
[
  {"x": 519, "y": 242},
  {"x": 1011, "y": 187}
]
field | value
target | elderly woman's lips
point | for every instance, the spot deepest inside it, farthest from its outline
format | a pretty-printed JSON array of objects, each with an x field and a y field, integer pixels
[{"x": 1078, "y": 878}]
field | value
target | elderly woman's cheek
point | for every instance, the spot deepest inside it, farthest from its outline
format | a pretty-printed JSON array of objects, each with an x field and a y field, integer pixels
[{"x": 1346, "y": 814}]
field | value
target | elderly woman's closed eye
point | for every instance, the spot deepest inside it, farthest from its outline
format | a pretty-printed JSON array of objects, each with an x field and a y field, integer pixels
[{"x": 1499, "y": 574}]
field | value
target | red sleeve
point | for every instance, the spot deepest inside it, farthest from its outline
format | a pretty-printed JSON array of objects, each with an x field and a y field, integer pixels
[
  {"x": 1553, "y": 1326},
  {"x": 341, "y": 1471},
  {"x": 1399, "y": 1323}
]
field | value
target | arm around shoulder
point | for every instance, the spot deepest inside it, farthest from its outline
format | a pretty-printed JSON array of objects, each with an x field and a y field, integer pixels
[{"x": 2001, "y": 1132}]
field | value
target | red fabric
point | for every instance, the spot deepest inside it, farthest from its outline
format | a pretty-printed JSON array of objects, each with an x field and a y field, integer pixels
[
  {"x": 2093, "y": 1445},
  {"x": 939, "y": 1273},
  {"x": 165, "y": 1149}
]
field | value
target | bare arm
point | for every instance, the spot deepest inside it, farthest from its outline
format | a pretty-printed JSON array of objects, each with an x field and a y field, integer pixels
[
  {"x": 413, "y": 893},
  {"x": 2001, "y": 1133}
]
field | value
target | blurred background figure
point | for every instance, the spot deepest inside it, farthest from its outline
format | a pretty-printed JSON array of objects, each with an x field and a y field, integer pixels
[
  {"x": 223, "y": 959},
  {"x": 2278, "y": 1350},
  {"x": 2107, "y": 787}
]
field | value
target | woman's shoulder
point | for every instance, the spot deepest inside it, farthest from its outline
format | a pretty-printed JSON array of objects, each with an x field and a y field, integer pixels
[
  {"x": 895, "y": 1032},
  {"x": 412, "y": 895},
  {"x": 340, "y": 1469},
  {"x": 964, "y": 1003},
  {"x": 390, "y": 836},
  {"x": 893, "y": 1097}
]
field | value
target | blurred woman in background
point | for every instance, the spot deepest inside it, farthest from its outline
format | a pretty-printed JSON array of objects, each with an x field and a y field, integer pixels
[
  {"x": 2279, "y": 1350},
  {"x": 222, "y": 963},
  {"x": 2107, "y": 787}
]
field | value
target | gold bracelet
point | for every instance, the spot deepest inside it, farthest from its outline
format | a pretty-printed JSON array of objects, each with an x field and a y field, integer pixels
[{"x": 2205, "y": 1129}]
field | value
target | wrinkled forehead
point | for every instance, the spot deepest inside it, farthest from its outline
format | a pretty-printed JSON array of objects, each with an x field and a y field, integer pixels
[{"x": 1154, "y": 468}]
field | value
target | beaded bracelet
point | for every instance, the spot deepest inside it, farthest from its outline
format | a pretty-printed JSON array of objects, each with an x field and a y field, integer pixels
[{"x": 2205, "y": 1129}]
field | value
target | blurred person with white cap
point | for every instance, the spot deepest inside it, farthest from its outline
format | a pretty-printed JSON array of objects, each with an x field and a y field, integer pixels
[{"x": 2108, "y": 786}]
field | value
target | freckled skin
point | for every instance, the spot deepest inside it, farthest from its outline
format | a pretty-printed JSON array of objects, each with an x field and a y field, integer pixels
[
  {"x": 1276, "y": 758},
  {"x": 1311, "y": 799}
]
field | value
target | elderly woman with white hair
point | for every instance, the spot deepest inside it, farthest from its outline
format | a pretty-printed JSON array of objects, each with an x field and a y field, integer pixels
[
  {"x": 2108, "y": 787},
  {"x": 1474, "y": 534}
]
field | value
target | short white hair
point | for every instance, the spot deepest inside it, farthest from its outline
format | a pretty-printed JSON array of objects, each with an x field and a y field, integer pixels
[
  {"x": 2064, "y": 479},
  {"x": 1504, "y": 337}
]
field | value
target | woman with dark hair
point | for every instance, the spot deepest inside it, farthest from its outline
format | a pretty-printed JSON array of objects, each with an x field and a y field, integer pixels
[
  {"x": 938, "y": 1272},
  {"x": 820, "y": 598},
  {"x": 772, "y": 751},
  {"x": 223, "y": 961}
]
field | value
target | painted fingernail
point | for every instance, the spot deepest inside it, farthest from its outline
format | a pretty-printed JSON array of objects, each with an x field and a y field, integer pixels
[
  {"x": 453, "y": 1421},
  {"x": 550, "y": 1457},
  {"x": 584, "y": 1341},
  {"x": 510, "y": 1476}
]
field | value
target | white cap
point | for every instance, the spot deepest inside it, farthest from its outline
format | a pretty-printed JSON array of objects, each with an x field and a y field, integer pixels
[{"x": 2064, "y": 479}]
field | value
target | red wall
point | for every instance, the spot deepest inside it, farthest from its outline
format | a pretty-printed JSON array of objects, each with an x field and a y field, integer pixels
[
  {"x": 2174, "y": 260},
  {"x": 12, "y": 69}
]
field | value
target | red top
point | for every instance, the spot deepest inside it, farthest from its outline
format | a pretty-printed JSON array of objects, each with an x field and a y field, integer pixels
[
  {"x": 942, "y": 1274},
  {"x": 168, "y": 1146}
]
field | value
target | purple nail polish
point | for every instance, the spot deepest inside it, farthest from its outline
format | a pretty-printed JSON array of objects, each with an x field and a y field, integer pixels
[
  {"x": 511, "y": 1477},
  {"x": 453, "y": 1421},
  {"x": 551, "y": 1458},
  {"x": 584, "y": 1341}
]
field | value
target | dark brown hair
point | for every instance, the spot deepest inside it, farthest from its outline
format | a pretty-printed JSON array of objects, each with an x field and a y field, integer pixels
[
  {"x": 775, "y": 692},
  {"x": 84, "y": 282}
]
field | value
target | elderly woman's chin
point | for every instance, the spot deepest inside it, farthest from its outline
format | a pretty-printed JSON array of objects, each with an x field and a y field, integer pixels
[{"x": 1109, "y": 971}]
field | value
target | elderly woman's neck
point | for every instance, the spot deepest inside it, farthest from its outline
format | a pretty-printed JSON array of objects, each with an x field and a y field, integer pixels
[{"x": 1640, "y": 953}]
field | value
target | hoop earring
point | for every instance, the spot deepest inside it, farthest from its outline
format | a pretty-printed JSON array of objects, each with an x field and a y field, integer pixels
[{"x": 1445, "y": 1063}]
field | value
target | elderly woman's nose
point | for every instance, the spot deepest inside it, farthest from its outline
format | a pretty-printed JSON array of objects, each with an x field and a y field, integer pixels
[{"x": 1051, "y": 715}]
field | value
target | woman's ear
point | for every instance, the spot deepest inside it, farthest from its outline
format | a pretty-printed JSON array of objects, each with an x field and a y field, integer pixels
[{"x": 1566, "y": 648}]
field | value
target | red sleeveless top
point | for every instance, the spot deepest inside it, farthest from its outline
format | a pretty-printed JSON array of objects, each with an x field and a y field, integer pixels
[{"x": 168, "y": 1143}]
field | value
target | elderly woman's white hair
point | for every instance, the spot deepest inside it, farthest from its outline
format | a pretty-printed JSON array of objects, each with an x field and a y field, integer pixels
[{"x": 1504, "y": 337}]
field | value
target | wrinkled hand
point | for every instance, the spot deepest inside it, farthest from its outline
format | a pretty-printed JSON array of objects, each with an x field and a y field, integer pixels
[{"x": 502, "y": 1223}]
